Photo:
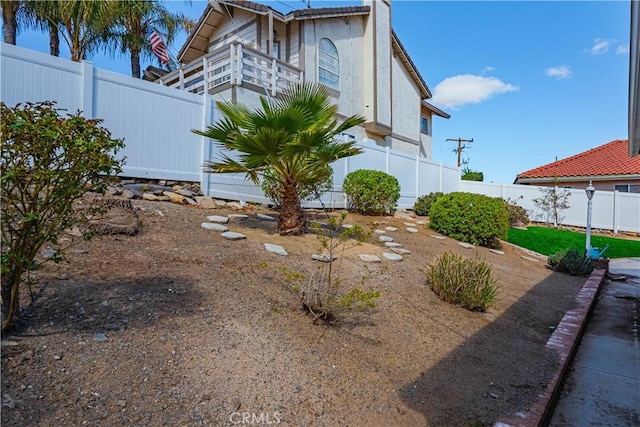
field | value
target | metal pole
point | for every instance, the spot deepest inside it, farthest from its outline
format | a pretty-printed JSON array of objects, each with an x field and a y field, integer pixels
[{"x": 588, "y": 245}]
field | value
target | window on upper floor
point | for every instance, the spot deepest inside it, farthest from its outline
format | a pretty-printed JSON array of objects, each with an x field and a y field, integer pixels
[
  {"x": 328, "y": 64},
  {"x": 424, "y": 125},
  {"x": 627, "y": 188}
]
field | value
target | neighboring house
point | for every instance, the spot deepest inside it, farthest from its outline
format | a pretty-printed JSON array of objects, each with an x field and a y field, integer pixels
[
  {"x": 240, "y": 50},
  {"x": 609, "y": 167}
]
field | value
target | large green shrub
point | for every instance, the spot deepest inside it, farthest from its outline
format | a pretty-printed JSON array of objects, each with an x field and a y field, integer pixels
[
  {"x": 48, "y": 162},
  {"x": 571, "y": 262},
  {"x": 518, "y": 216},
  {"x": 371, "y": 192},
  {"x": 462, "y": 281},
  {"x": 423, "y": 203},
  {"x": 469, "y": 217},
  {"x": 273, "y": 189}
]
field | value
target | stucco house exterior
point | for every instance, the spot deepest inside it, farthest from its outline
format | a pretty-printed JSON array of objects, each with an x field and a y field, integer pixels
[
  {"x": 608, "y": 166},
  {"x": 240, "y": 50}
]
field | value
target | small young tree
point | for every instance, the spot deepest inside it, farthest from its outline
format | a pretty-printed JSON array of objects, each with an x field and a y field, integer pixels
[
  {"x": 48, "y": 162},
  {"x": 553, "y": 201}
]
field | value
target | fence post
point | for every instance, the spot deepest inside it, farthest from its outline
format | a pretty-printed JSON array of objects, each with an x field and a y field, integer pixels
[
  {"x": 387, "y": 160},
  {"x": 616, "y": 210},
  {"x": 207, "y": 119},
  {"x": 86, "y": 89}
]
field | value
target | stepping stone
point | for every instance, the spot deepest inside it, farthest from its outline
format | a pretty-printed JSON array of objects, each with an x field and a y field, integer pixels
[
  {"x": 379, "y": 231},
  {"x": 100, "y": 337},
  {"x": 392, "y": 244},
  {"x": 410, "y": 224},
  {"x": 466, "y": 245},
  {"x": 369, "y": 258},
  {"x": 438, "y": 237},
  {"x": 401, "y": 251},
  {"x": 346, "y": 225},
  {"x": 529, "y": 258},
  {"x": 412, "y": 230},
  {"x": 219, "y": 219},
  {"x": 392, "y": 257},
  {"x": 213, "y": 226},
  {"x": 276, "y": 249},
  {"x": 230, "y": 235},
  {"x": 391, "y": 228},
  {"x": 323, "y": 257},
  {"x": 265, "y": 217},
  {"x": 496, "y": 251},
  {"x": 385, "y": 238},
  {"x": 238, "y": 216},
  {"x": 421, "y": 222}
]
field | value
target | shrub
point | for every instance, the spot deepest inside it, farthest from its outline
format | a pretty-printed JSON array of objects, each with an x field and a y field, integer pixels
[
  {"x": 371, "y": 192},
  {"x": 272, "y": 186},
  {"x": 518, "y": 216},
  {"x": 471, "y": 175},
  {"x": 423, "y": 203},
  {"x": 462, "y": 281},
  {"x": 472, "y": 218},
  {"x": 571, "y": 262},
  {"x": 48, "y": 162}
]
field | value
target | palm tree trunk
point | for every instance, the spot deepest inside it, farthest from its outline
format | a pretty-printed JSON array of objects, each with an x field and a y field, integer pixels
[
  {"x": 292, "y": 221},
  {"x": 9, "y": 22},
  {"x": 54, "y": 40},
  {"x": 135, "y": 61}
]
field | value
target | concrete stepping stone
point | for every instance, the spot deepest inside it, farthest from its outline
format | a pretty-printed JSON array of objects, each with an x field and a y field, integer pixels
[
  {"x": 392, "y": 244},
  {"x": 347, "y": 225},
  {"x": 529, "y": 258},
  {"x": 401, "y": 251},
  {"x": 369, "y": 258},
  {"x": 378, "y": 231},
  {"x": 214, "y": 226},
  {"x": 323, "y": 257},
  {"x": 391, "y": 228},
  {"x": 392, "y": 257},
  {"x": 231, "y": 235},
  {"x": 385, "y": 238},
  {"x": 238, "y": 216},
  {"x": 218, "y": 218},
  {"x": 466, "y": 245},
  {"x": 438, "y": 237},
  {"x": 276, "y": 249},
  {"x": 421, "y": 222},
  {"x": 412, "y": 230},
  {"x": 496, "y": 251},
  {"x": 410, "y": 224},
  {"x": 265, "y": 217}
]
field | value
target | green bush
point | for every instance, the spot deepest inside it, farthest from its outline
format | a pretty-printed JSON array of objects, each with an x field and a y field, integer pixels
[
  {"x": 571, "y": 262},
  {"x": 423, "y": 203},
  {"x": 472, "y": 218},
  {"x": 471, "y": 175},
  {"x": 371, "y": 192},
  {"x": 272, "y": 186},
  {"x": 462, "y": 281},
  {"x": 518, "y": 216}
]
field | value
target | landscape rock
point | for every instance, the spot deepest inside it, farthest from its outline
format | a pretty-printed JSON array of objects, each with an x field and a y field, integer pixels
[
  {"x": 100, "y": 337},
  {"x": 219, "y": 203},
  {"x": 136, "y": 189},
  {"x": 496, "y": 251},
  {"x": 265, "y": 217},
  {"x": 378, "y": 231},
  {"x": 412, "y": 230},
  {"x": 410, "y": 224},
  {"x": 150, "y": 196},
  {"x": 186, "y": 193},
  {"x": 214, "y": 226},
  {"x": 401, "y": 251},
  {"x": 190, "y": 201},
  {"x": 230, "y": 235},
  {"x": 235, "y": 205},
  {"x": 438, "y": 237},
  {"x": 403, "y": 214},
  {"x": 48, "y": 253},
  {"x": 392, "y": 257},
  {"x": 323, "y": 257},
  {"x": 218, "y": 218},
  {"x": 529, "y": 258},
  {"x": 128, "y": 194},
  {"x": 238, "y": 216},
  {"x": 421, "y": 222},
  {"x": 385, "y": 238},
  {"x": 391, "y": 228},
  {"x": 206, "y": 202},
  {"x": 276, "y": 249},
  {"x": 392, "y": 244},
  {"x": 466, "y": 245},
  {"x": 369, "y": 258}
]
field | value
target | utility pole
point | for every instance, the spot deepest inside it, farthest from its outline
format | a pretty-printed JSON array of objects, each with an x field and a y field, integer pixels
[{"x": 461, "y": 146}]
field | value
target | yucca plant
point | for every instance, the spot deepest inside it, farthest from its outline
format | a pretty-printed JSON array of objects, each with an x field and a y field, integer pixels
[{"x": 293, "y": 135}]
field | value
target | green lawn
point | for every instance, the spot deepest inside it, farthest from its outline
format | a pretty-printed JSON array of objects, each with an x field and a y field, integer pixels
[{"x": 548, "y": 241}]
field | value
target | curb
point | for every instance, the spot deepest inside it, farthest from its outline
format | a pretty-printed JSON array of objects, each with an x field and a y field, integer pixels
[{"x": 564, "y": 341}]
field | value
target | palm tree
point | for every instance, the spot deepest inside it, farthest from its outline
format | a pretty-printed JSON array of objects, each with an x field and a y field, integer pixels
[
  {"x": 44, "y": 15},
  {"x": 294, "y": 136},
  {"x": 11, "y": 14},
  {"x": 137, "y": 19}
]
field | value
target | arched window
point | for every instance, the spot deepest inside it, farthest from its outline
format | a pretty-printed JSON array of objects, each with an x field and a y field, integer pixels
[{"x": 328, "y": 64}]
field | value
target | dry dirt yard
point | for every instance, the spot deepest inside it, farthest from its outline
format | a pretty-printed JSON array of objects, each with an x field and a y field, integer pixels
[{"x": 202, "y": 331}]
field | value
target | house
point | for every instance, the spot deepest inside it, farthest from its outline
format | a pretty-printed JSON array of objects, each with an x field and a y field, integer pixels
[
  {"x": 609, "y": 167},
  {"x": 240, "y": 50}
]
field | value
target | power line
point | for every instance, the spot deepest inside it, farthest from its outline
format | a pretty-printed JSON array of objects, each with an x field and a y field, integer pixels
[{"x": 461, "y": 146}]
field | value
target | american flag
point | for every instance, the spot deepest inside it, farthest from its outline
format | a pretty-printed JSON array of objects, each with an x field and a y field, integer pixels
[{"x": 158, "y": 47}]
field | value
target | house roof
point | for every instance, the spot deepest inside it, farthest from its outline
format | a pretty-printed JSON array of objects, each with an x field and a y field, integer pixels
[
  {"x": 611, "y": 159},
  {"x": 197, "y": 42},
  {"x": 435, "y": 110}
]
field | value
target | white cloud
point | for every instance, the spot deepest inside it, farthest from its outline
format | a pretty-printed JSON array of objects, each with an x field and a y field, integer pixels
[
  {"x": 559, "y": 72},
  {"x": 599, "y": 47},
  {"x": 488, "y": 69},
  {"x": 464, "y": 89},
  {"x": 623, "y": 49}
]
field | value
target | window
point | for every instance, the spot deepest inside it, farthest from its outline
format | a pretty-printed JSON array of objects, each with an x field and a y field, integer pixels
[
  {"x": 627, "y": 188},
  {"x": 424, "y": 125},
  {"x": 328, "y": 64}
]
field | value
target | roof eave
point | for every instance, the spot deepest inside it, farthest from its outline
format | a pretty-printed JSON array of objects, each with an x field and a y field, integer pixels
[
  {"x": 537, "y": 179},
  {"x": 425, "y": 93},
  {"x": 435, "y": 110}
]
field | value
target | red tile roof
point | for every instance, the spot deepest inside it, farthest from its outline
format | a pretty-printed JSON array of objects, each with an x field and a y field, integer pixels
[{"x": 608, "y": 159}]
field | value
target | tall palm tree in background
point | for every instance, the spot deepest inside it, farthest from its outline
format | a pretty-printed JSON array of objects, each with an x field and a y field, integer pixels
[
  {"x": 137, "y": 19},
  {"x": 293, "y": 135},
  {"x": 44, "y": 15},
  {"x": 11, "y": 18}
]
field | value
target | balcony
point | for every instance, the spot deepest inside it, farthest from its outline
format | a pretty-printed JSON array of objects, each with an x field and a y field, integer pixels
[{"x": 234, "y": 65}]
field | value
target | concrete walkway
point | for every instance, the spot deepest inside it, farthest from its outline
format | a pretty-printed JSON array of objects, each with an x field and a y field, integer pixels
[{"x": 602, "y": 387}]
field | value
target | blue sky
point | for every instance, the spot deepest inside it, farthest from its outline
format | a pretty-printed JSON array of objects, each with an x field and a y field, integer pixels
[{"x": 528, "y": 81}]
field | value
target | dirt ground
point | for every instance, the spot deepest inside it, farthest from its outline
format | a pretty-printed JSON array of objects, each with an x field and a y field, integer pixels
[{"x": 202, "y": 331}]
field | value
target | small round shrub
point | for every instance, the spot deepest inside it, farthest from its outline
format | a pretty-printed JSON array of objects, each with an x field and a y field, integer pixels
[
  {"x": 272, "y": 188},
  {"x": 571, "y": 262},
  {"x": 371, "y": 192},
  {"x": 518, "y": 216},
  {"x": 469, "y": 217},
  {"x": 423, "y": 203}
]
